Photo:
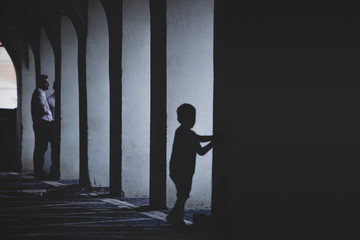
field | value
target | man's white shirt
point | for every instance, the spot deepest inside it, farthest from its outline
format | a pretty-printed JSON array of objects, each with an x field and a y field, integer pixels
[
  {"x": 51, "y": 102},
  {"x": 44, "y": 103}
]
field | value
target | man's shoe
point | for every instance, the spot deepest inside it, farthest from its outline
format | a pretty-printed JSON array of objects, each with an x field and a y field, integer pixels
[
  {"x": 51, "y": 177},
  {"x": 40, "y": 176}
]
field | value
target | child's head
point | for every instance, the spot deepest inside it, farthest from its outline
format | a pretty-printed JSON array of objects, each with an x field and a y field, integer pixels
[{"x": 186, "y": 115}]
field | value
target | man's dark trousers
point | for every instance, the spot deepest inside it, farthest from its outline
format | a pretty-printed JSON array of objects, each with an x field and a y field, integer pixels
[{"x": 41, "y": 130}]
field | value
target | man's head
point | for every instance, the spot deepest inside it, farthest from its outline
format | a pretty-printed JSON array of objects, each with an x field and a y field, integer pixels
[
  {"x": 186, "y": 115},
  {"x": 43, "y": 82}
]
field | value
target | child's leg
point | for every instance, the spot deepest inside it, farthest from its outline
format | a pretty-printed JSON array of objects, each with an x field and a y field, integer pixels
[
  {"x": 176, "y": 215},
  {"x": 183, "y": 190},
  {"x": 180, "y": 206}
]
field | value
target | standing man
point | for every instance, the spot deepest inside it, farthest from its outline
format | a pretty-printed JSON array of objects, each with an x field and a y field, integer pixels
[
  {"x": 55, "y": 161},
  {"x": 42, "y": 118}
]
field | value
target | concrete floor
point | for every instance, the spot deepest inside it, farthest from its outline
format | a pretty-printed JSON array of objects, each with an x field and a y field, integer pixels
[
  {"x": 54, "y": 210},
  {"x": 32, "y": 209}
]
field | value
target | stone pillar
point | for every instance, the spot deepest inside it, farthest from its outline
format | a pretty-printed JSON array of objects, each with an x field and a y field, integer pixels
[
  {"x": 225, "y": 105},
  {"x": 158, "y": 104},
  {"x": 114, "y": 13}
]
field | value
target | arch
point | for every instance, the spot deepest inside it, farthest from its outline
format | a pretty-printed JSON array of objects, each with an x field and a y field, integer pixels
[
  {"x": 69, "y": 143},
  {"x": 78, "y": 18},
  {"x": 8, "y": 113},
  {"x": 17, "y": 47},
  {"x": 97, "y": 83}
]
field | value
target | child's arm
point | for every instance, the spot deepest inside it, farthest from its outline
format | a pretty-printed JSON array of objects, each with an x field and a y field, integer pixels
[
  {"x": 203, "y": 150},
  {"x": 204, "y": 138}
]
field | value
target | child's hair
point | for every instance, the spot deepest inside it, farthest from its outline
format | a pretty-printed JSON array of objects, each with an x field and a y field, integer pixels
[{"x": 185, "y": 112}]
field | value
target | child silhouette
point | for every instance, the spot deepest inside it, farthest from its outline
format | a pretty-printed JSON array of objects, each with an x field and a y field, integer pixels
[{"x": 182, "y": 163}]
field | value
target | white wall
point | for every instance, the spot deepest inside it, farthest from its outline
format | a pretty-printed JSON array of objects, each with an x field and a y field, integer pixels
[
  {"x": 136, "y": 98},
  {"x": 190, "y": 80},
  {"x": 69, "y": 145},
  {"x": 28, "y": 138},
  {"x": 47, "y": 66},
  {"x": 98, "y": 100}
]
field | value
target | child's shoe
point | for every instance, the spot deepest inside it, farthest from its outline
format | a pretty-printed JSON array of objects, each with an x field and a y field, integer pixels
[{"x": 174, "y": 220}]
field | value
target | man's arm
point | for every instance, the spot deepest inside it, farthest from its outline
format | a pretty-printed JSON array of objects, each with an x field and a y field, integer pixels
[{"x": 44, "y": 105}]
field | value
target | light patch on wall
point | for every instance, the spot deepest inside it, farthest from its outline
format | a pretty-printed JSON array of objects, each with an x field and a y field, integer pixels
[
  {"x": 27, "y": 88},
  {"x": 97, "y": 84},
  {"x": 8, "y": 87},
  {"x": 136, "y": 98},
  {"x": 190, "y": 80}
]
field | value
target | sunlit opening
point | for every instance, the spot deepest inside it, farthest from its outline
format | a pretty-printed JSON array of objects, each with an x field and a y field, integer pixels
[{"x": 8, "y": 87}]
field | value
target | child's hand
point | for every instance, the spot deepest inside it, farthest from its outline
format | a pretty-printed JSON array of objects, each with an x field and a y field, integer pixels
[{"x": 212, "y": 141}]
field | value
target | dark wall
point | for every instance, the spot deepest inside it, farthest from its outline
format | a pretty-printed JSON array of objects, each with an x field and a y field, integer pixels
[
  {"x": 8, "y": 140},
  {"x": 297, "y": 144}
]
